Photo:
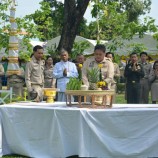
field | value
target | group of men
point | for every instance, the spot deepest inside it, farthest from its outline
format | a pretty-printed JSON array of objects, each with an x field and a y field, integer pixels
[
  {"x": 136, "y": 73},
  {"x": 63, "y": 70}
]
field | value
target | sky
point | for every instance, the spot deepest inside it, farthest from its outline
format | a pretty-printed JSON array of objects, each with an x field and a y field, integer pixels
[{"x": 29, "y": 6}]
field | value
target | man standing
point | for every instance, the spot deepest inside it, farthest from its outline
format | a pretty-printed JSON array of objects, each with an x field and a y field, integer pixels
[
  {"x": 34, "y": 73},
  {"x": 145, "y": 86},
  {"x": 116, "y": 73},
  {"x": 62, "y": 71},
  {"x": 99, "y": 58},
  {"x": 133, "y": 73}
]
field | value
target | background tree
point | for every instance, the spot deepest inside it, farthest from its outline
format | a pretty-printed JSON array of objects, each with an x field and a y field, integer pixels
[
  {"x": 116, "y": 22},
  {"x": 73, "y": 15},
  {"x": 4, "y": 25}
]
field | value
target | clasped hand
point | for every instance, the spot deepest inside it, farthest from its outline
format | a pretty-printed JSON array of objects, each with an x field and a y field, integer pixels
[{"x": 65, "y": 72}]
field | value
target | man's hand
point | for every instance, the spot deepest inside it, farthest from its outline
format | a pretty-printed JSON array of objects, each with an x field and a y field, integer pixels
[{"x": 65, "y": 72}]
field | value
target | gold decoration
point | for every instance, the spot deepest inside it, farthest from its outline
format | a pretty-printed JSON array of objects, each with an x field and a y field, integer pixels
[
  {"x": 50, "y": 93},
  {"x": 13, "y": 59},
  {"x": 13, "y": 48},
  {"x": 12, "y": 20},
  {"x": 12, "y": 72},
  {"x": 13, "y": 33}
]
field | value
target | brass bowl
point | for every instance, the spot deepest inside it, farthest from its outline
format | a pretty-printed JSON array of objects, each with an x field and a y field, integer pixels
[{"x": 50, "y": 93}]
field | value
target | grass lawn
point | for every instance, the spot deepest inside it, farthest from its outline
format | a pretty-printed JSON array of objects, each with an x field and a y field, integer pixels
[{"x": 120, "y": 99}]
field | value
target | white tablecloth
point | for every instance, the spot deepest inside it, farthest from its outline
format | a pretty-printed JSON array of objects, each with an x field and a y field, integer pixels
[{"x": 54, "y": 130}]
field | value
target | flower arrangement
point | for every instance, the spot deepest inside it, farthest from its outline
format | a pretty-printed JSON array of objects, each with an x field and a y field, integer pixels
[{"x": 101, "y": 84}]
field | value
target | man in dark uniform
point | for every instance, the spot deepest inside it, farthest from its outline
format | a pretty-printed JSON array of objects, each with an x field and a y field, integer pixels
[{"x": 133, "y": 73}]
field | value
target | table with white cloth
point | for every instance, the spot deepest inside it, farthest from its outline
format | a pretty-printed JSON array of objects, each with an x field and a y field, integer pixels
[{"x": 54, "y": 130}]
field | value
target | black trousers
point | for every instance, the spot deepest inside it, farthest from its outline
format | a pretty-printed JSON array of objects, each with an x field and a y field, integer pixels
[{"x": 133, "y": 93}]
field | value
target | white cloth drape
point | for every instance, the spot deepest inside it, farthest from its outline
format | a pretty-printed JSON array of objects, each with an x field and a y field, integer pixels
[{"x": 53, "y": 130}]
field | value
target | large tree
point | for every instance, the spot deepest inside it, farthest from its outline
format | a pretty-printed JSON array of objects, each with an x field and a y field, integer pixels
[{"x": 73, "y": 15}]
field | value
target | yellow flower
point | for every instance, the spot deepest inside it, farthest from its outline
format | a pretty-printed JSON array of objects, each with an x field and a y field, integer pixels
[
  {"x": 100, "y": 65},
  {"x": 80, "y": 65},
  {"x": 101, "y": 84}
]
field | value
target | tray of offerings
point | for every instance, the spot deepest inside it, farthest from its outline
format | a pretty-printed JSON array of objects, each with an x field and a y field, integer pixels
[{"x": 91, "y": 98}]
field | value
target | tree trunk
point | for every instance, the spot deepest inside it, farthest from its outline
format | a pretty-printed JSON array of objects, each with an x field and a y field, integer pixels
[{"x": 73, "y": 14}]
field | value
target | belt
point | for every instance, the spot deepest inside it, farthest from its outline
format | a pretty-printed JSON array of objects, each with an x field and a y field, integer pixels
[{"x": 37, "y": 84}]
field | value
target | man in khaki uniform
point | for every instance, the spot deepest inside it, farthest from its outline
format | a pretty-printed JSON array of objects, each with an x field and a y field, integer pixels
[
  {"x": 145, "y": 85},
  {"x": 116, "y": 72},
  {"x": 99, "y": 58},
  {"x": 1, "y": 74},
  {"x": 34, "y": 73}
]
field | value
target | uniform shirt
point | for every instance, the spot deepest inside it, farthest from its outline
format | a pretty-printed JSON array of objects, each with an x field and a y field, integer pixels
[
  {"x": 147, "y": 69},
  {"x": 58, "y": 73},
  {"x": 153, "y": 76},
  {"x": 48, "y": 75},
  {"x": 107, "y": 69},
  {"x": 116, "y": 70},
  {"x": 34, "y": 73},
  {"x": 133, "y": 75},
  {"x": 48, "y": 72}
]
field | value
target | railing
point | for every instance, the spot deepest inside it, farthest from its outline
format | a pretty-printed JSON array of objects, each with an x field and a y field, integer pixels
[{"x": 6, "y": 94}]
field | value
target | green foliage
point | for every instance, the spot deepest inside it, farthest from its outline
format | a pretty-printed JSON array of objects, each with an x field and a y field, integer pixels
[
  {"x": 4, "y": 19},
  {"x": 78, "y": 48},
  {"x": 117, "y": 58},
  {"x": 155, "y": 36},
  {"x": 138, "y": 48},
  {"x": 44, "y": 22},
  {"x": 52, "y": 51},
  {"x": 22, "y": 24},
  {"x": 118, "y": 20},
  {"x": 74, "y": 84},
  {"x": 93, "y": 75}
]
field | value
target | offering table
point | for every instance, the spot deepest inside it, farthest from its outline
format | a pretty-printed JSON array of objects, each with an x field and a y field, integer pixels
[{"x": 92, "y": 94}]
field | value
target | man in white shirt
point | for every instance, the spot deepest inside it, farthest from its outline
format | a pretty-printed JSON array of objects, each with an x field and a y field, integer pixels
[{"x": 62, "y": 71}]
